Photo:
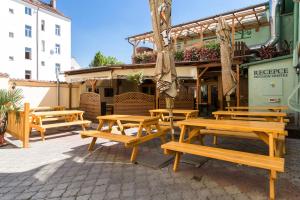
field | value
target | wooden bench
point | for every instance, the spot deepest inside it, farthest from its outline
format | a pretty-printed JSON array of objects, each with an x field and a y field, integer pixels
[
  {"x": 243, "y": 135},
  {"x": 147, "y": 124},
  {"x": 42, "y": 128},
  {"x": 126, "y": 139},
  {"x": 274, "y": 164}
]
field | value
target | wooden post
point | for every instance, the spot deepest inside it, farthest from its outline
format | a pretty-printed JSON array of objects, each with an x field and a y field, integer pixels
[
  {"x": 197, "y": 89},
  {"x": 233, "y": 36},
  {"x": 238, "y": 98},
  {"x": 70, "y": 95},
  {"x": 157, "y": 98},
  {"x": 26, "y": 127},
  {"x": 220, "y": 92}
]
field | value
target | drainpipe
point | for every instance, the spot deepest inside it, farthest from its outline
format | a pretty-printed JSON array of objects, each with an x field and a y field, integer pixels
[
  {"x": 57, "y": 86},
  {"x": 274, "y": 19},
  {"x": 296, "y": 64},
  {"x": 37, "y": 44}
]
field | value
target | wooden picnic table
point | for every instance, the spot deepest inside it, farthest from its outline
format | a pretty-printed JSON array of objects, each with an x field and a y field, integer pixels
[
  {"x": 47, "y": 108},
  {"x": 186, "y": 113},
  {"x": 70, "y": 117},
  {"x": 270, "y": 108},
  {"x": 246, "y": 115},
  {"x": 267, "y": 131},
  {"x": 144, "y": 123}
]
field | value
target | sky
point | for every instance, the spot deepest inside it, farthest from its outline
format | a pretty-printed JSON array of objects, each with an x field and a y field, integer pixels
[{"x": 103, "y": 25}]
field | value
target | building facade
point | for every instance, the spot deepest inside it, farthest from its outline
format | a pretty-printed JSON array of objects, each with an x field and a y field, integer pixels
[{"x": 35, "y": 38}]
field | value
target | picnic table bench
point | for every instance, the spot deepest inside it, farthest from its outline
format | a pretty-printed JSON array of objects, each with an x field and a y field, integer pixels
[
  {"x": 267, "y": 131},
  {"x": 145, "y": 123},
  {"x": 255, "y": 116},
  {"x": 247, "y": 108},
  {"x": 71, "y": 118},
  {"x": 179, "y": 114},
  {"x": 47, "y": 108}
]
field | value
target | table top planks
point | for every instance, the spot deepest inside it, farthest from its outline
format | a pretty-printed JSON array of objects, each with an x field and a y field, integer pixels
[
  {"x": 175, "y": 111},
  {"x": 127, "y": 118},
  {"x": 271, "y": 108},
  {"x": 57, "y": 113},
  {"x": 247, "y": 113},
  {"x": 236, "y": 125}
]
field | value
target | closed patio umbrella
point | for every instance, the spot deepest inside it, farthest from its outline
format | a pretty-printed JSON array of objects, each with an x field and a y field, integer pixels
[
  {"x": 165, "y": 71},
  {"x": 228, "y": 76}
]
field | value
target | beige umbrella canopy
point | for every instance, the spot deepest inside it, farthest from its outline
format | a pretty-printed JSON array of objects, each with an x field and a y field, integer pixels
[
  {"x": 165, "y": 71},
  {"x": 228, "y": 76}
]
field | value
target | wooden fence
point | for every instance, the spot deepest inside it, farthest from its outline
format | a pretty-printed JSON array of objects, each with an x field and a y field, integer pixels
[
  {"x": 133, "y": 103},
  {"x": 182, "y": 101},
  {"x": 90, "y": 103},
  {"x": 18, "y": 127}
]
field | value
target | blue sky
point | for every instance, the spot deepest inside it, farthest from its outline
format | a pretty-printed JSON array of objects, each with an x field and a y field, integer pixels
[{"x": 103, "y": 25}]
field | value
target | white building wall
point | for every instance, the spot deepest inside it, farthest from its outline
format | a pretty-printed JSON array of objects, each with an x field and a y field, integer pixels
[{"x": 16, "y": 46}]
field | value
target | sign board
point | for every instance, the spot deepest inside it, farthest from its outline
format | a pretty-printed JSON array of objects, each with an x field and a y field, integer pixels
[{"x": 271, "y": 73}]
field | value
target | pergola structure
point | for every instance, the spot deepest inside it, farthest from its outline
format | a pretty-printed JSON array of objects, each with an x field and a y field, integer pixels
[{"x": 246, "y": 18}]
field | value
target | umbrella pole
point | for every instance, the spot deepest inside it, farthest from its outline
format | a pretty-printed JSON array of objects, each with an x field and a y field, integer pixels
[{"x": 170, "y": 106}]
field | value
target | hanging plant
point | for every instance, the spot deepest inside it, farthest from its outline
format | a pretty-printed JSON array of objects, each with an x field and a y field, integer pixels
[{"x": 137, "y": 78}]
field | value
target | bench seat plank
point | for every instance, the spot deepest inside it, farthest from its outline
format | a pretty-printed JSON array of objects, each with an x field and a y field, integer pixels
[
  {"x": 250, "y": 159},
  {"x": 78, "y": 122},
  {"x": 114, "y": 137},
  {"x": 236, "y": 134}
]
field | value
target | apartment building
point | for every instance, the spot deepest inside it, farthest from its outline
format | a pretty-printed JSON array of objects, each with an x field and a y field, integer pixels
[{"x": 35, "y": 40}]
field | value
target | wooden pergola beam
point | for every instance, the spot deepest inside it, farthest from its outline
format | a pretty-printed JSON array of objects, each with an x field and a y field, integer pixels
[{"x": 229, "y": 17}]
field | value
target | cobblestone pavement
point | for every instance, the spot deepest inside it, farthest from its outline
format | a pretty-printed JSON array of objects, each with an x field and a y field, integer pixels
[{"x": 61, "y": 168}]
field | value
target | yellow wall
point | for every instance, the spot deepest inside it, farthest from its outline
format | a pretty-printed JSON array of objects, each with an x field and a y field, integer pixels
[{"x": 45, "y": 93}]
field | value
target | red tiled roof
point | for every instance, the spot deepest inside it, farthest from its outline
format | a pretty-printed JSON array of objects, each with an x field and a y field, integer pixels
[
  {"x": 45, "y": 6},
  {"x": 3, "y": 75}
]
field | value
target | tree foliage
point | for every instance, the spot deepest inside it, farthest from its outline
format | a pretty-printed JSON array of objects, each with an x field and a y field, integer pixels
[{"x": 102, "y": 60}]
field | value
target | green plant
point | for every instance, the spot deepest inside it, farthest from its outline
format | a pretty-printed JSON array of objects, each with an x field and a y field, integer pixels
[
  {"x": 10, "y": 100},
  {"x": 179, "y": 55},
  {"x": 102, "y": 60},
  {"x": 137, "y": 78}
]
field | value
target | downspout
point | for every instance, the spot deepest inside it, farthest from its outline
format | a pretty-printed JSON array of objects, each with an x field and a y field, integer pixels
[
  {"x": 57, "y": 86},
  {"x": 37, "y": 43},
  {"x": 274, "y": 19},
  {"x": 296, "y": 64}
]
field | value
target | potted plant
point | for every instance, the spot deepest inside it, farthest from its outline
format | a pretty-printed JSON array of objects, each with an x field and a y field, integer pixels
[{"x": 10, "y": 100}]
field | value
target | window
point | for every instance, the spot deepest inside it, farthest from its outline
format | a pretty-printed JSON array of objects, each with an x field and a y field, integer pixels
[
  {"x": 27, "y": 74},
  {"x": 11, "y": 58},
  {"x": 43, "y": 46},
  {"x": 57, "y": 30},
  {"x": 11, "y": 35},
  {"x": 27, "y": 11},
  {"x": 43, "y": 25},
  {"x": 28, "y": 31},
  {"x": 43, "y": 63},
  {"x": 108, "y": 92},
  {"x": 57, "y": 68},
  {"x": 57, "y": 48},
  {"x": 28, "y": 53},
  {"x": 11, "y": 11}
]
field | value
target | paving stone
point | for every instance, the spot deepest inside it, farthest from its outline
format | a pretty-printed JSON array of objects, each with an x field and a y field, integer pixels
[
  {"x": 26, "y": 195},
  {"x": 85, "y": 190},
  {"x": 61, "y": 168}
]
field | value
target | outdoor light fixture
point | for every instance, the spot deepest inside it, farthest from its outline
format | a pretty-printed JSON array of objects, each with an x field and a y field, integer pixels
[{"x": 297, "y": 68}]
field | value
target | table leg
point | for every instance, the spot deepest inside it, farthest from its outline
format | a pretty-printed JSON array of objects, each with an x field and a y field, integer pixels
[
  {"x": 121, "y": 127},
  {"x": 135, "y": 147},
  {"x": 92, "y": 144},
  {"x": 176, "y": 161},
  {"x": 272, "y": 184},
  {"x": 271, "y": 145}
]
